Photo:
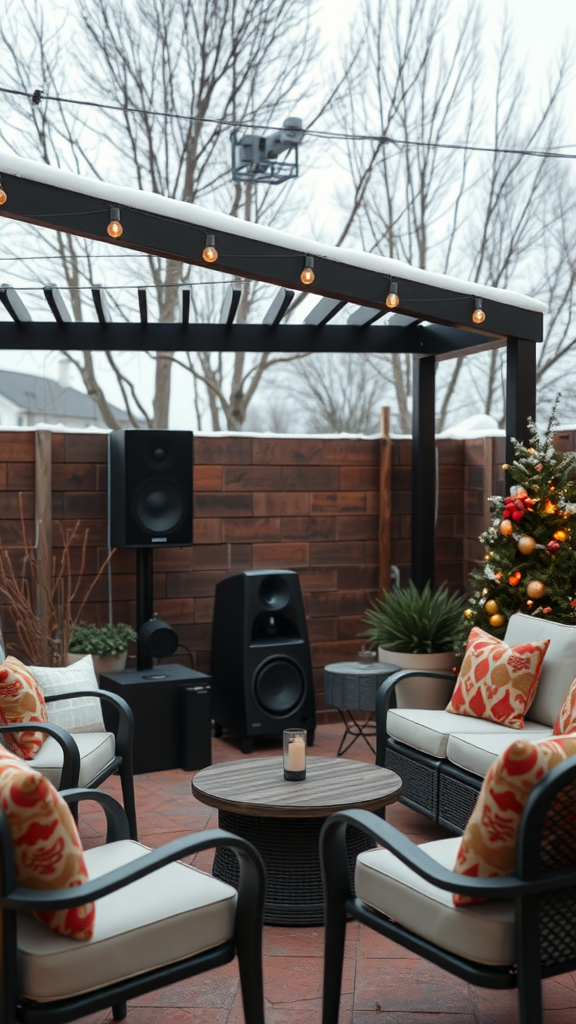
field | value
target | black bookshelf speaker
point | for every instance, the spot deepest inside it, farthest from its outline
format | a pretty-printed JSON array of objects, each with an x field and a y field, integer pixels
[
  {"x": 261, "y": 669},
  {"x": 150, "y": 487}
]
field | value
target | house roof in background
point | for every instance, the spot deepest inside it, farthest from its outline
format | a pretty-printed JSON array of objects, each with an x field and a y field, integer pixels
[{"x": 46, "y": 397}]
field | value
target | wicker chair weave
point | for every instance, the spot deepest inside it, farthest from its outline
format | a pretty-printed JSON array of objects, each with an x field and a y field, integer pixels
[
  {"x": 419, "y": 782},
  {"x": 557, "y": 912}
]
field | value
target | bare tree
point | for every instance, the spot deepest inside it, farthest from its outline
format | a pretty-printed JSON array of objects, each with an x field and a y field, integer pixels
[
  {"x": 488, "y": 217},
  {"x": 227, "y": 60}
]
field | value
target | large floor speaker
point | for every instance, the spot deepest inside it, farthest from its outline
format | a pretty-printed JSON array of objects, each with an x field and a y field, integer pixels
[
  {"x": 150, "y": 488},
  {"x": 261, "y": 670}
]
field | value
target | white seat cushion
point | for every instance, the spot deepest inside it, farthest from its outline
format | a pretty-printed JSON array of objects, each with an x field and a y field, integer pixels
[
  {"x": 483, "y": 932},
  {"x": 167, "y": 916},
  {"x": 558, "y": 667},
  {"x": 477, "y": 753},
  {"x": 428, "y": 731},
  {"x": 96, "y": 749}
]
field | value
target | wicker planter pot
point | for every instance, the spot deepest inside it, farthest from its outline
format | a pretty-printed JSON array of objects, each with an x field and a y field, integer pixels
[
  {"x": 419, "y": 692},
  {"x": 103, "y": 663}
]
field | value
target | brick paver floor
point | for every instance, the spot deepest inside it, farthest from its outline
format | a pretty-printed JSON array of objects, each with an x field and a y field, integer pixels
[{"x": 383, "y": 983}]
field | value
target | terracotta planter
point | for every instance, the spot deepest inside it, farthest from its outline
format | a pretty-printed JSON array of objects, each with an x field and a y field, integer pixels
[
  {"x": 103, "y": 663},
  {"x": 419, "y": 692}
]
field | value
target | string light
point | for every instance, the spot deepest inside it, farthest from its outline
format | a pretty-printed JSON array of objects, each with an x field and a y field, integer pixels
[
  {"x": 308, "y": 276},
  {"x": 560, "y": 535},
  {"x": 115, "y": 229},
  {"x": 210, "y": 252},
  {"x": 392, "y": 299},
  {"x": 478, "y": 316}
]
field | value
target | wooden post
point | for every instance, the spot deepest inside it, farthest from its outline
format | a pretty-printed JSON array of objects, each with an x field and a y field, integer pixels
[
  {"x": 43, "y": 525},
  {"x": 385, "y": 499}
]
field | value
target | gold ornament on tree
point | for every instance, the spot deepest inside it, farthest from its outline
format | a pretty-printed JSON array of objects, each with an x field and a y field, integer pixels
[
  {"x": 506, "y": 527},
  {"x": 497, "y": 620},
  {"x": 526, "y": 545},
  {"x": 536, "y": 589},
  {"x": 491, "y": 607}
]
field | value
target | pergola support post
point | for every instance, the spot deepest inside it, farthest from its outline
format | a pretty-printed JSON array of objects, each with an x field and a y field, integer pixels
[
  {"x": 520, "y": 391},
  {"x": 423, "y": 471}
]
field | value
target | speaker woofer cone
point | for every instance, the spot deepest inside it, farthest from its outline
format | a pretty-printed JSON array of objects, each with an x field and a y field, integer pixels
[
  {"x": 159, "y": 506},
  {"x": 279, "y": 686}
]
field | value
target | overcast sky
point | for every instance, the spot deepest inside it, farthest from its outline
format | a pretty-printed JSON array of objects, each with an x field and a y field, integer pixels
[{"x": 541, "y": 29}]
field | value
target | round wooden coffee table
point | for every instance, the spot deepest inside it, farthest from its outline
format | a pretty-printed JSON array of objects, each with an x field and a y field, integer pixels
[{"x": 283, "y": 821}]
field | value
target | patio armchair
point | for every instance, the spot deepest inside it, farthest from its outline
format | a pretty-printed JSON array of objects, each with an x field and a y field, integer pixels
[
  {"x": 525, "y": 932},
  {"x": 85, "y": 759},
  {"x": 157, "y": 922}
]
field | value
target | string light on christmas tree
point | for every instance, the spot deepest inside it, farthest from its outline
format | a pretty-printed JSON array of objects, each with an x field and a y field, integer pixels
[
  {"x": 549, "y": 507},
  {"x": 514, "y": 579},
  {"x": 560, "y": 535}
]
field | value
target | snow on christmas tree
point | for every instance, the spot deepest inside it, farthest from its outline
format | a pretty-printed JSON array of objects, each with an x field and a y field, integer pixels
[{"x": 530, "y": 560}]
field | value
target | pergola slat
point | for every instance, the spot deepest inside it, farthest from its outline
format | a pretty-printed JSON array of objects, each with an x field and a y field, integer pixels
[
  {"x": 324, "y": 311},
  {"x": 143, "y": 305},
  {"x": 278, "y": 308},
  {"x": 13, "y": 303},
  {"x": 55, "y": 300},
  {"x": 364, "y": 316},
  {"x": 101, "y": 306},
  {"x": 185, "y": 306},
  {"x": 230, "y": 304}
]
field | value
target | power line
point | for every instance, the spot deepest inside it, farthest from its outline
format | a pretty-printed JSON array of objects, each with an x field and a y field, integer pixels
[{"x": 343, "y": 136}]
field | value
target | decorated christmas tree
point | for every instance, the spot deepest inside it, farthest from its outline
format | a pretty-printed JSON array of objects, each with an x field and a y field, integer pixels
[{"x": 530, "y": 560}]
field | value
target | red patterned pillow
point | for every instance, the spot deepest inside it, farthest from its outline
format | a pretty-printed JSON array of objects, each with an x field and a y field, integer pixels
[
  {"x": 566, "y": 721},
  {"x": 47, "y": 848},
  {"x": 21, "y": 700},
  {"x": 497, "y": 682},
  {"x": 488, "y": 846}
]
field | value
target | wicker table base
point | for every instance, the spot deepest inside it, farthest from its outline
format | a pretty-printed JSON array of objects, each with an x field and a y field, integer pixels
[
  {"x": 283, "y": 820},
  {"x": 289, "y": 849}
]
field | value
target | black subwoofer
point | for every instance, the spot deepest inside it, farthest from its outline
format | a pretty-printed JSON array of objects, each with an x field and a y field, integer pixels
[
  {"x": 261, "y": 670},
  {"x": 150, "y": 488}
]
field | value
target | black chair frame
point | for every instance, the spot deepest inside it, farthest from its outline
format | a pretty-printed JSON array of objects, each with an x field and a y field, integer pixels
[
  {"x": 121, "y": 762},
  {"x": 543, "y": 888},
  {"x": 431, "y": 785},
  {"x": 246, "y": 943}
]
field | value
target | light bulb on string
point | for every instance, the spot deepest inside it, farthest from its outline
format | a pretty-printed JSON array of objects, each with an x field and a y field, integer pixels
[
  {"x": 393, "y": 299},
  {"x": 308, "y": 276},
  {"x": 3, "y": 196},
  {"x": 478, "y": 316},
  {"x": 210, "y": 252},
  {"x": 115, "y": 229}
]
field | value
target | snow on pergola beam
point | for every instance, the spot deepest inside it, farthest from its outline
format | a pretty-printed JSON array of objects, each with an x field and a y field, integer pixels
[{"x": 46, "y": 196}]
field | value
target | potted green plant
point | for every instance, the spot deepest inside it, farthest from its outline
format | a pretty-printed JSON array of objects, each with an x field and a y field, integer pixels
[
  {"x": 418, "y": 630},
  {"x": 107, "y": 644}
]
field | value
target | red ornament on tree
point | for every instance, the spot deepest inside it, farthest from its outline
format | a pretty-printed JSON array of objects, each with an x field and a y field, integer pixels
[
  {"x": 552, "y": 545},
  {"x": 516, "y": 508},
  {"x": 546, "y": 611}
]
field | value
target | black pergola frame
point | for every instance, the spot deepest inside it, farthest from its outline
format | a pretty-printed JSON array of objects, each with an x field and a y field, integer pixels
[{"x": 174, "y": 230}]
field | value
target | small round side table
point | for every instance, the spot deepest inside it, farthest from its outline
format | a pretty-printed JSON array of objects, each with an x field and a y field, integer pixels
[{"x": 350, "y": 687}]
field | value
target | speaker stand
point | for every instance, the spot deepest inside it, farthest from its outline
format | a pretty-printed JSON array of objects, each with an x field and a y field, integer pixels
[{"x": 144, "y": 599}]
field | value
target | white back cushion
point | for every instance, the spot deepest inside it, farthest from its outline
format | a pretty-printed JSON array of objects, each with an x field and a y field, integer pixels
[
  {"x": 81, "y": 715},
  {"x": 558, "y": 667}
]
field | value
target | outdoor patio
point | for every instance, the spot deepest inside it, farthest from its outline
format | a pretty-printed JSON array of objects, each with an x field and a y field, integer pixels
[{"x": 382, "y": 982}]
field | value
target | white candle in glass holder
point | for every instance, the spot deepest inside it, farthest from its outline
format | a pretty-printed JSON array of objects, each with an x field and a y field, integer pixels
[{"x": 297, "y": 754}]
